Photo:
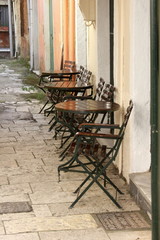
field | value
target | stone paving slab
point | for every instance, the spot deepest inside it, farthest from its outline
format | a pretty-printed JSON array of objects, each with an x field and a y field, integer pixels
[
  {"x": 21, "y": 171},
  {"x": 94, "y": 234},
  {"x": 130, "y": 235},
  {"x": 16, "y": 156},
  {"x": 25, "y": 236},
  {"x": 15, "y": 198},
  {"x": 6, "y": 150},
  {"x": 41, "y": 197},
  {"x": 85, "y": 221},
  {"x": 15, "y": 207},
  {"x": 2, "y": 229},
  {"x": 41, "y": 210},
  {"x": 32, "y": 177},
  {"x": 30, "y": 163},
  {"x": 7, "y": 163},
  {"x": 15, "y": 189},
  {"x": 91, "y": 205},
  {"x": 13, "y": 216},
  {"x": 9, "y": 134},
  {"x": 7, "y": 140},
  {"x": 4, "y": 180},
  {"x": 48, "y": 186}
]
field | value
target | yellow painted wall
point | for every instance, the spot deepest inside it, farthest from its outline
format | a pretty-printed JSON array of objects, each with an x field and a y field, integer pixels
[
  {"x": 92, "y": 52},
  {"x": 122, "y": 74}
]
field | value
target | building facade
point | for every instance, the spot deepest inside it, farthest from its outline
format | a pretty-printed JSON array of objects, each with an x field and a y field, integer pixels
[{"x": 110, "y": 38}]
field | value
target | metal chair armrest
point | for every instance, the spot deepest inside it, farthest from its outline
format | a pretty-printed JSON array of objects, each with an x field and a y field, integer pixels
[
  {"x": 98, "y": 125},
  {"x": 97, "y": 135},
  {"x": 77, "y": 97}
]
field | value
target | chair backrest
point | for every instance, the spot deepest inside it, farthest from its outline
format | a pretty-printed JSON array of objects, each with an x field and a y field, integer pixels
[
  {"x": 99, "y": 89},
  {"x": 69, "y": 65},
  {"x": 85, "y": 76},
  {"x": 126, "y": 117},
  {"x": 122, "y": 129},
  {"x": 108, "y": 93},
  {"x": 79, "y": 76}
]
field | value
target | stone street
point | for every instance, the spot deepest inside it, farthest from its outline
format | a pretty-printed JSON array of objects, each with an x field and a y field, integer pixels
[{"x": 33, "y": 204}]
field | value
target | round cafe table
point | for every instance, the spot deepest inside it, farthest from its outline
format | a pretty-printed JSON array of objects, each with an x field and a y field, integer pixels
[{"x": 71, "y": 113}]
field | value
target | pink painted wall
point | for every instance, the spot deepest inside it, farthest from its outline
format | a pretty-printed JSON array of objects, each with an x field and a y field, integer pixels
[
  {"x": 63, "y": 32},
  {"x": 41, "y": 35},
  {"x": 57, "y": 43}
]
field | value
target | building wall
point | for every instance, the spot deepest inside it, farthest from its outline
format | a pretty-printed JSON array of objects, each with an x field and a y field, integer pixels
[
  {"x": 140, "y": 86},
  {"x": 81, "y": 38},
  {"x": 25, "y": 49},
  {"x": 57, "y": 35},
  {"x": 103, "y": 40},
  {"x": 41, "y": 35},
  {"x": 20, "y": 9},
  {"x": 33, "y": 32},
  {"x": 46, "y": 31},
  {"x": 3, "y": 2},
  {"x": 68, "y": 28},
  {"x": 17, "y": 26},
  {"x": 132, "y": 76}
]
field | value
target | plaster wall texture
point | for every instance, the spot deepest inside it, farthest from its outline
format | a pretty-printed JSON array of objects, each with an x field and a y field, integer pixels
[
  {"x": 46, "y": 35},
  {"x": 3, "y": 2},
  {"x": 57, "y": 35},
  {"x": 103, "y": 45},
  {"x": 16, "y": 9},
  {"x": 140, "y": 86},
  {"x": 34, "y": 35},
  {"x": 41, "y": 34},
  {"x": 81, "y": 38},
  {"x": 132, "y": 67},
  {"x": 92, "y": 52},
  {"x": 25, "y": 45}
]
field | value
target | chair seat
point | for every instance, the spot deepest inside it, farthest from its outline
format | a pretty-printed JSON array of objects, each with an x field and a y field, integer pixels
[{"x": 97, "y": 151}]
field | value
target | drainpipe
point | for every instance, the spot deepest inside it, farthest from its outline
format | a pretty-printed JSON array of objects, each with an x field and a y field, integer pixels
[
  {"x": 10, "y": 28},
  {"x": 155, "y": 120}
]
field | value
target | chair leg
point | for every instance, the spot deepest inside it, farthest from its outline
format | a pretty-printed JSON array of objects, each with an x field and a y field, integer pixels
[
  {"x": 44, "y": 106},
  {"x": 94, "y": 180},
  {"x": 52, "y": 126}
]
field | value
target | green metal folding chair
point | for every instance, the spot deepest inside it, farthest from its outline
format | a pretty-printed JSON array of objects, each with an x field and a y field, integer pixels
[{"x": 99, "y": 157}]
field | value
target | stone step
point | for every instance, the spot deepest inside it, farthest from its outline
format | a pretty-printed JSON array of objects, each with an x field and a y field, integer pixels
[{"x": 140, "y": 188}]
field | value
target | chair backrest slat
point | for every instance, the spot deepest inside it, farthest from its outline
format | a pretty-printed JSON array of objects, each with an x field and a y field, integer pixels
[
  {"x": 99, "y": 89},
  {"x": 108, "y": 93},
  {"x": 69, "y": 65}
]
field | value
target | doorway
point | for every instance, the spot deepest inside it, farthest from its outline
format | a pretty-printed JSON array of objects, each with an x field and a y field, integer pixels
[{"x": 4, "y": 27}]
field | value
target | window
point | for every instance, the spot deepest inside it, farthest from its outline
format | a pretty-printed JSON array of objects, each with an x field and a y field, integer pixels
[{"x": 4, "y": 22}]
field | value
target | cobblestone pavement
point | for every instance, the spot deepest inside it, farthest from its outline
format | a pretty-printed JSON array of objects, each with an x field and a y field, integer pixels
[{"x": 37, "y": 205}]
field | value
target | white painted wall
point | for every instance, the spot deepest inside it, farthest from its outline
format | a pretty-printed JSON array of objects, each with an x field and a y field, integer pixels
[
  {"x": 3, "y": 2},
  {"x": 17, "y": 24},
  {"x": 140, "y": 86},
  {"x": 81, "y": 38},
  {"x": 132, "y": 79},
  {"x": 103, "y": 44},
  {"x": 33, "y": 32}
]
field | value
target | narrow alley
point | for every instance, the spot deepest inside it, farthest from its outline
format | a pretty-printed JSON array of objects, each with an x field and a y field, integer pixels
[{"x": 33, "y": 204}]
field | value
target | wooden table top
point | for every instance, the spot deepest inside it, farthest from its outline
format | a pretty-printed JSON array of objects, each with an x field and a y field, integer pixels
[
  {"x": 67, "y": 85},
  {"x": 59, "y": 73},
  {"x": 87, "y": 106}
]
